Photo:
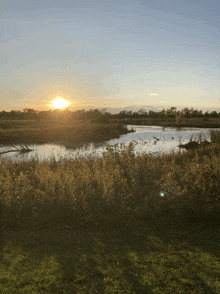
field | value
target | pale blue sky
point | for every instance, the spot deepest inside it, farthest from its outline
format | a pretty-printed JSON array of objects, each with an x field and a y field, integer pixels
[{"x": 110, "y": 53}]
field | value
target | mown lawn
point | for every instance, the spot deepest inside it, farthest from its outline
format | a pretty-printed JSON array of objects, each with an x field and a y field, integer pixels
[{"x": 125, "y": 257}]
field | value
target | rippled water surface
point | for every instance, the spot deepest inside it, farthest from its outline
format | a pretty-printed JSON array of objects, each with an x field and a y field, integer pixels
[{"x": 149, "y": 139}]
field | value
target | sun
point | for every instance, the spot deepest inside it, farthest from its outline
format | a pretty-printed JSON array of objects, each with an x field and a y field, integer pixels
[{"x": 59, "y": 102}]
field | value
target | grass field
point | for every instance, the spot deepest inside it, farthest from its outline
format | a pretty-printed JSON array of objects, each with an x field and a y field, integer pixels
[{"x": 103, "y": 226}]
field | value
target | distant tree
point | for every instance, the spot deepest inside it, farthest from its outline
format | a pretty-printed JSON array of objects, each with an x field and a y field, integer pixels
[
  {"x": 45, "y": 115},
  {"x": 186, "y": 111},
  {"x": 152, "y": 113},
  {"x": 14, "y": 114},
  {"x": 142, "y": 113},
  {"x": 213, "y": 114},
  {"x": 195, "y": 113},
  {"x": 163, "y": 112},
  {"x": 3, "y": 114},
  {"x": 122, "y": 114},
  {"x": 135, "y": 114},
  {"x": 103, "y": 110},
  {"x": 96, "y": 113},
  {"x": 170, "y": 112},
  {"x": 79, "y": 114},
  {"x": 29, "y": 113},
  {"x": 191, "y": 111},
  {"x": 28, "y": 110},
  {"x": 173, "y": 110},
  {"x": 200, "y": 114},
  {"x": 206, "y": 114}
]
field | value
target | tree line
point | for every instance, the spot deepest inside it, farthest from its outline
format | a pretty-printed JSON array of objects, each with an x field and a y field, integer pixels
[
  {"x": 170, "y": 112},
  {"x": 102, "y": 115}
]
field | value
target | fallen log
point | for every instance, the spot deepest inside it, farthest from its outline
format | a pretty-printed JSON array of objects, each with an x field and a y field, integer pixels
[{"x": 23, "y": 149}]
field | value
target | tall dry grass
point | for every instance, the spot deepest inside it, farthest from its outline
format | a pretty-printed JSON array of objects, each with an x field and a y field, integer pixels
[
  {"x": 215, "y": 136},
  {"x": 118, "y": 185}
]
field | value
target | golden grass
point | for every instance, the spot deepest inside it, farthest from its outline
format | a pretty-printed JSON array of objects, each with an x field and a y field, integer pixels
[{"x": 116, "y": 185}]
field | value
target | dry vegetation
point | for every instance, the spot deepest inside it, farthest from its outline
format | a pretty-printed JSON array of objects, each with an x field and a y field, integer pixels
[
  {"x": 117, "y": 185},
  {"x": 102, "y": 226}
]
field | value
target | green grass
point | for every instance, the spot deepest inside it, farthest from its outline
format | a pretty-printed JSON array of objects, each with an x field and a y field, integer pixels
[
  {"x": 134, "y": 257},
  {"x": 83, "y": 226}
]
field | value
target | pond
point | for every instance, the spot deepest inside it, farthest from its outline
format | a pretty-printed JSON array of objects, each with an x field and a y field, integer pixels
[{"x": 147, "y": 139}]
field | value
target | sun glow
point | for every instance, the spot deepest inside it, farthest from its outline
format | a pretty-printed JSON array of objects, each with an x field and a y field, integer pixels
[{"x": 59, "y": 102}]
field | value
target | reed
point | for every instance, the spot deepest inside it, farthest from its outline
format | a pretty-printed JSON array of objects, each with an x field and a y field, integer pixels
[
  {"x": 215, "y": 136},
  {"x": 119, "y": 184}
]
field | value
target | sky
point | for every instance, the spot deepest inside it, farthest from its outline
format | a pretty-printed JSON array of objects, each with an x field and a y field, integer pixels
[{"x": 110, "y": 54}]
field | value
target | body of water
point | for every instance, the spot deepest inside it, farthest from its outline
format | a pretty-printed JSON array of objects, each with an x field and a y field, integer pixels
[{"x": 149, "y": 139}]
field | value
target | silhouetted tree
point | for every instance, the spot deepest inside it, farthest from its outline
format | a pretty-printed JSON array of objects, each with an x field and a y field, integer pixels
[
  {"x": 213, "y": 114},
  {"x": 186, "y": 111},
  {"x": 173, "y": 110}
]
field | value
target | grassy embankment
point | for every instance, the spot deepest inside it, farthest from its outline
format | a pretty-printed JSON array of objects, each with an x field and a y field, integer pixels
[
  {"x": 102, "y": 227},
  {"x": 42, "y": 131},
  {"x": 211, "y": 122}
]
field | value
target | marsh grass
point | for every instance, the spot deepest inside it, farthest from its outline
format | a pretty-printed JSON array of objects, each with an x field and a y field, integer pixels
[
  {"x": 100, "y": 225},
  {"x": 178, "y": 121},
  {"x": 42, "y": 131},
  {"x": 215, "y": 137}
]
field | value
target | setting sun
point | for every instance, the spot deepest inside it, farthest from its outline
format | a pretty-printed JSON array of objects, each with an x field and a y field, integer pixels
[{"x": 59, "y": 102}]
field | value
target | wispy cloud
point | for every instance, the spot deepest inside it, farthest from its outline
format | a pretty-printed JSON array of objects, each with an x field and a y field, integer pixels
[{"x": 154, "y": 94}]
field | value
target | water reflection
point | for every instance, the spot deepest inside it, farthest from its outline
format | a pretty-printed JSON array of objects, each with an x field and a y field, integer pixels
[{"x": 149, "y": 139}]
